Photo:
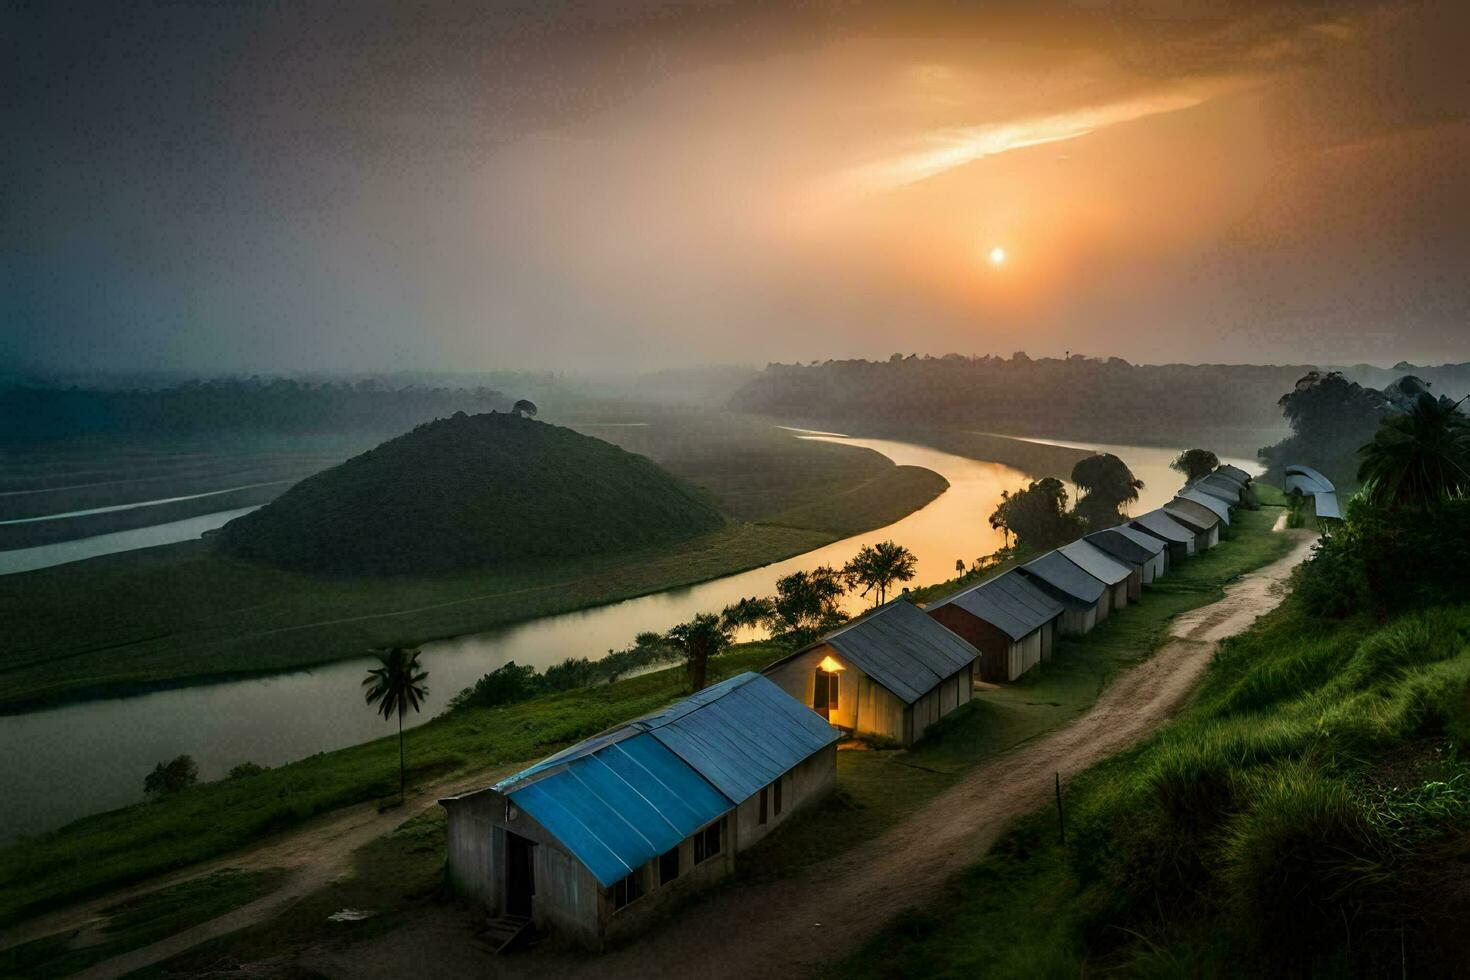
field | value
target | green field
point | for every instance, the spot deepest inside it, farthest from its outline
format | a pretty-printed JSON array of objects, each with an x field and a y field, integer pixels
[
  {"x": 185, "y": 614},
  {"x": 878, "y": 787}
]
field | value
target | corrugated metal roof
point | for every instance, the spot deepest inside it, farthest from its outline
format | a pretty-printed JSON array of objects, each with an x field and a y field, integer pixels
[
  {"x": 1225, "y": 479},
  {"x": 903, "y": 649},
  {"x": 1066, "y": 577},
  {"x": 1191, "y": 514},
  {"x": 1096, "y": 562},
  {"x": 1215, "y": 505},
  {"x": 741, "y": 734},
  {"x": 1308, "y": 479},
  {"x": 1143, "y": 539},
  {"x": 1326, "y": 504},
  {"x": 1009, "y": 603},
  {"x": 1235, "y": 473},
  {"x": 1122, "y": 548},
  {"x": 1226, "y": 486},
  {"x": 1160, "y": 524},
  {"x": 621, "y": 805}
]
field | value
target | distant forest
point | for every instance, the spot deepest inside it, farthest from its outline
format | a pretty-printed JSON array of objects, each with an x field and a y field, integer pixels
[
  {"x": 30, "y": 414},
  {"x": 1107, "y": 400}
]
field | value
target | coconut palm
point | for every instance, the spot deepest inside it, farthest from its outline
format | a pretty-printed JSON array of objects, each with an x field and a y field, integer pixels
[
  {"x": 876, "y": 567},
  {"x": 699, "y": 639},
  {"x": 1420, "y": 458},
  {"x": 394, "y": 688}
]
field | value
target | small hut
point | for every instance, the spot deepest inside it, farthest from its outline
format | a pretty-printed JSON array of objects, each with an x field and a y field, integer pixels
[
  {"x": 599, "y": 838},
  {"x": 1150, "y": 555},
  {"x": 891, "y": 673},
  {"x": 1179, "y": 539},
  {"x": 1220, "y": 488},
  {"x": 1012, "y": 623},
  {"x": 1202, "y": 520},
  {"x": 1235, "y": 473},
  {"x": 1125, "y": 582},
  {"x": 1220, "y": 508},
  {"x": 1310, "y": 483},
  {"x": 1086, "y": 599}
]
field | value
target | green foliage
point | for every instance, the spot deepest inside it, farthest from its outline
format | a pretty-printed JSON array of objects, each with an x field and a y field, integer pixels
[
  {"x": 170, "y": 777},
  {"x": 699, "y": 639},
  {"x": 1107, "y": 484},
  {"x": 805, "y": 605},
  {"x": 877, "y": 567},
  {"x": 1330, "y": 418},
  {"x": 1037, "y": 516},
  {"x": 246, "y": 769},
  {"x": 471, "y": 491},
  {"x": 1195, "y": 463},
  {"x": 1420, "y": 458}
]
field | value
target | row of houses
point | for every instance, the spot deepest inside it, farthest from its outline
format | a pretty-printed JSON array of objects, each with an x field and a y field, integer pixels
[{"x": 602, "y": 836}]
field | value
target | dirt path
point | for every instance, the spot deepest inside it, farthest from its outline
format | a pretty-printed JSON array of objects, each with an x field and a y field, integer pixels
[{"x": 796, "y": 926}]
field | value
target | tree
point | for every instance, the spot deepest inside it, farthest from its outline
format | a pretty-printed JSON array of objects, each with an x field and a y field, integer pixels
[
  {"x": 1000, "y": 517},
  {"x": 1330, "y": 418},
  {"x": 876, "y": 567},
  {"x": 394, "y": 688},
  {"x": 807, "y": 603},
  {"x": 525, "y": 408},
  {"x": 699, "y": 639},
  {"x": 1195, "y": 464},
  {"x": 170, "y": 777},
  {"x": 1038, "y": 516},
  {"x": 748, "y": 612},
  {"x": 1420, "y": 458},
  {"x": 1108, "y": 485}
]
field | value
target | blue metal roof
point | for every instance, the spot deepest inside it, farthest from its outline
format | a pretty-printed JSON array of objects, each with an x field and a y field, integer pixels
[
  {"x": 902, "y": 649},
  {"x": 741, "y": 734},
  {"x": 1159, "y": 524},
  {"x": 1306, "y": 479},
  {"x": 1325, "y": 505},
  {"x": 1096, "y": 562},
  {"x": 1008, "y": 602},
  {"x": 1065, "y": 577},
  {"x": 623, "y": 797},
  {"x": 621, "y": 805}
]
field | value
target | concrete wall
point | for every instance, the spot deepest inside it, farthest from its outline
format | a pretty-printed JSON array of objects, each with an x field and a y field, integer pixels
[{"x": 809, "y": 781}]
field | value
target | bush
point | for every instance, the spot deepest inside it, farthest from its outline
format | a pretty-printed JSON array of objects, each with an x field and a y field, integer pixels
[
  {"x": 246, "y": 769},
  {"x": 171, "y": 777}
]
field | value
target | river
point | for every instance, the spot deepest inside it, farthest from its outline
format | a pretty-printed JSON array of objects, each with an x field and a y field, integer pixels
[{"x": 105, "y": 748}]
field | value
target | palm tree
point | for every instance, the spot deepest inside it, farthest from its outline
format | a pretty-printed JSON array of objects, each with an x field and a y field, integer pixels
[
  {"x": 876, "y": 567},
  {"x": 395, "y": 687},
  {"x": 1420, "y": 458},
  {"x": 699, "y": 639},
  {"x": 1000, "y": 517}
]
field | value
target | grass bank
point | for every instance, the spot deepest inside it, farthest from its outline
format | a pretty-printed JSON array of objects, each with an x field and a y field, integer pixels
[
  {"x": 1308, "y": 814},
  {"x": 186, "y": 614}
]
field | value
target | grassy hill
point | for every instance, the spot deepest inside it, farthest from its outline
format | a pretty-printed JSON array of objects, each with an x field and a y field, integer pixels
[{"x": 472, "y": 491}]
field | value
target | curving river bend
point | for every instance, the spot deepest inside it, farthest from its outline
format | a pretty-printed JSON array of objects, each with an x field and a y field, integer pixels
[{"x": 104, "y": 748}]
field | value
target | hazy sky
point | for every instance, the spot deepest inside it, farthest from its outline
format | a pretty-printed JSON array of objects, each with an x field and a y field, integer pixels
[{"x": 225, "y": 185}]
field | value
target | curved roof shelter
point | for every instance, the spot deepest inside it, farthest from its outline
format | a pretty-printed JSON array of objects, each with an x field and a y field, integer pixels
[
  {"x": 620, "y": 799},
  {"x": 901, "y": 648},
  {"x": 1223, "y": 490},
  {"x": 1235, "y": 473},
  {"x": 1096, "y": 562},
  {"x": 1008, "y": 602},
  {"x": 1214, "y": 505},
  {"x": 1161, "y": 525},
  {"x": 1066, "y": 577},
  {"x": 1305, "y": 479}
]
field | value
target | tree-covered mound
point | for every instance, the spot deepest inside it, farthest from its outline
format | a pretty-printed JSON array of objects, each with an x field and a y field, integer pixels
[{"x": 471, "y": 491}]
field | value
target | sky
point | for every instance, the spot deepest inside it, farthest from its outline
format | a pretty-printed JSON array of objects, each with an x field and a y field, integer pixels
[{"x": 236, "y": 186}]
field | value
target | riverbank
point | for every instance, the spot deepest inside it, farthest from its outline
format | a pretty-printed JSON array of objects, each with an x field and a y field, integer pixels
[
  {"x": 879, "y": 787},
  {"x": 182, "y": 614}
]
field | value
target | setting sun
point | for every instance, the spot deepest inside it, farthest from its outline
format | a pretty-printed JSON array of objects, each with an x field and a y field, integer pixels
[{"x": 997, "y": 256}]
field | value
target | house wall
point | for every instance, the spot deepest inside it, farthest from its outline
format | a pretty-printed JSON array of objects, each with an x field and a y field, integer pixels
[
  {"x": 1135, "y": 581},
  {"x": 952, "y": 692},
  {"x": 1075, "y": 621},
  {"x": 1120, "y": 592},
  {"x": 1104, "y": 606},
  {"x": 621, "y": 924},
  {"x": 810, "y": 780},
  {"x": 1213, "y": 537},
  {"x": 863, "y": 706},
  {"x": 1048, "y": 639},
  {"x": 993, "y": 643}
]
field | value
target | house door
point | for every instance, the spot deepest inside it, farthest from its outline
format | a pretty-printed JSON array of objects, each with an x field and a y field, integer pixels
[
  {"x": 824, "y": 692},
  {"x": 520, "y": 874}
]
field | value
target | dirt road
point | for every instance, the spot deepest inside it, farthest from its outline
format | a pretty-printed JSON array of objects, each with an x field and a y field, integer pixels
[{"x": 795, "y": 926}]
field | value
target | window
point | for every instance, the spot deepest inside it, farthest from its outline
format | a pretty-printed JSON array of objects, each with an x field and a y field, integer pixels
[
  {"x": 777, "y": 788},
  {"x": 763, "y": 806},
  {"x": 707, "y": 842},
  {"x": 627, "y": 890},
  {"x": 668, "y": 866}
]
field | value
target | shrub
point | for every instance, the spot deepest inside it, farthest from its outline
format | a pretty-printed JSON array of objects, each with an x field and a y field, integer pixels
[
  {"x": 246, "y": 769},
  {"x": 170, "y": 777}
]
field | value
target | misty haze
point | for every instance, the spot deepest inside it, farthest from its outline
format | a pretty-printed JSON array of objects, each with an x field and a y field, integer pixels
[{"x": 734, "y": 489}]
